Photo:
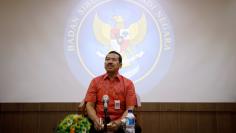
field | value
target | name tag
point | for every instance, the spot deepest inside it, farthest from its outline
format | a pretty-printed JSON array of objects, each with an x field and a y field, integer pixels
[{"x": 117, "y": 104}]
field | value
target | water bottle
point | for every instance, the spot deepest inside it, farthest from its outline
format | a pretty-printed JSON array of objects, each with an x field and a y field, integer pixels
[{"x": 130, "y": 122}]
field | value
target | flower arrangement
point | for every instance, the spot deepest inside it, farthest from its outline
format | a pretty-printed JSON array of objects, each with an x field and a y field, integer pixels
[{"x": 74, "y": 123}]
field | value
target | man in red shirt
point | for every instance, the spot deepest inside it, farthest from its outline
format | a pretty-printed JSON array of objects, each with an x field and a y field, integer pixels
[{"x": 121, "y": 94}]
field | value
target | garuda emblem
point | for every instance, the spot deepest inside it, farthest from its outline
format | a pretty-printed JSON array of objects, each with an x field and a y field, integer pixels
[{"x": 120, "y": 38}]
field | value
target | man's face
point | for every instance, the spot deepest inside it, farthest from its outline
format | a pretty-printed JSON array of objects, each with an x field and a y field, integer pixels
[{"x": 112, "y": 63}]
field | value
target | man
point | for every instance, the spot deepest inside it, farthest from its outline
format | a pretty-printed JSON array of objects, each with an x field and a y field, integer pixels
[{"x": 121, "y": 94}]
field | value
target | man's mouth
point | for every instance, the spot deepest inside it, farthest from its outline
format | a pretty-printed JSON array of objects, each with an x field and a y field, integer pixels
[{"x": 109, "y": 66}]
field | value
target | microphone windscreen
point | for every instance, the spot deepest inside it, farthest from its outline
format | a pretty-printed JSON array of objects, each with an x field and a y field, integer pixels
[{"x": 105, "y": 98}]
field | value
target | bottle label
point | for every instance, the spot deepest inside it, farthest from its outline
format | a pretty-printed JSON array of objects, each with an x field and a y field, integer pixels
[{"x": 130, "y": 122}]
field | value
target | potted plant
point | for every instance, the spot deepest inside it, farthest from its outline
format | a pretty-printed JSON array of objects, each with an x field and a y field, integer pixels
[{"x": 74, "y": 123}]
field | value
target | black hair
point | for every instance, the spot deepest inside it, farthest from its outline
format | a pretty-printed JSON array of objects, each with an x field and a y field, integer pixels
[{"x": 120, "y": 57}]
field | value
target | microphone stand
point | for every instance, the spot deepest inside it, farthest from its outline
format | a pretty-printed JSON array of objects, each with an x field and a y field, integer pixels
[
  {"x": 106, "y": 119},
  {"x": 105, "y": 100}
]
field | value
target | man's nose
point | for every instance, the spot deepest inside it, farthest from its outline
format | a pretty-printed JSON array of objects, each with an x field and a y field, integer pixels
[{"x": 109, "y": 61}]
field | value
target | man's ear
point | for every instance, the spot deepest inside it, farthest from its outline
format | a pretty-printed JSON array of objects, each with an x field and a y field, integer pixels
[{"x": 120, "y": 65}]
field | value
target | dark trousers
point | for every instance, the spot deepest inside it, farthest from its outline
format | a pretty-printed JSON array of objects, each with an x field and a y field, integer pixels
[{"x": 138, "y": 129}]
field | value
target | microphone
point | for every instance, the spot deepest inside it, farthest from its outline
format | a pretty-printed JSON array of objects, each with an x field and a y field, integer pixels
[{"x": 105, "y": 100}]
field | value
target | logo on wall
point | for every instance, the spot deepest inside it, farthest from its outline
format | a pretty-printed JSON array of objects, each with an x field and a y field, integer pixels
[{"x": 138, "y": 29}]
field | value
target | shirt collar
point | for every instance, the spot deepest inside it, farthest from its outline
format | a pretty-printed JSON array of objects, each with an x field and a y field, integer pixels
[{"x": 118, "y": 76}]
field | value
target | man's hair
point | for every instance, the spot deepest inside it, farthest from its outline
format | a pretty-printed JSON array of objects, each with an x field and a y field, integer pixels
[{"x": 120, "y": 57}]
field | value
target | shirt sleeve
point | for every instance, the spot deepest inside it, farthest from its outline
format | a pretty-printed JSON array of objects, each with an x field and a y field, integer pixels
[
  {"x": 131, "y": 99},
  {"x": 91, "y": 92}
]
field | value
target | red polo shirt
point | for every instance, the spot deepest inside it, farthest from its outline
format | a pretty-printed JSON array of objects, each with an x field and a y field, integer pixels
[{"x": 120, "y": 88}]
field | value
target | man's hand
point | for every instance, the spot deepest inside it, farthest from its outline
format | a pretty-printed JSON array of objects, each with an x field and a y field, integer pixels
[
  {"x": 114, "y": 125},
  {"x": 97, "y": 124}
]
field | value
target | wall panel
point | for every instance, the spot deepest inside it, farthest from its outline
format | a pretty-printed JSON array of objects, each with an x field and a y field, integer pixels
[{"x": 153, "y": 117}]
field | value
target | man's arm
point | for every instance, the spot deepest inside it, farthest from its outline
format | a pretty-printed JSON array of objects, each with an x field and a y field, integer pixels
[
  {"x": 92, "y": 115},
  {"x": 118, "y": 121},
  {"x": 114, "y": 125}
]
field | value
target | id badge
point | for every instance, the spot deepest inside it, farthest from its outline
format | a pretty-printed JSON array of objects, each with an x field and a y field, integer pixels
[{"x": 117, "y": 104}]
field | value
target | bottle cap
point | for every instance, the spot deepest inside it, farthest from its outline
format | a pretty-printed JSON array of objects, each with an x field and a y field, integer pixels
[{"x": 130, "y": 111}]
